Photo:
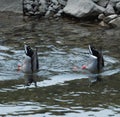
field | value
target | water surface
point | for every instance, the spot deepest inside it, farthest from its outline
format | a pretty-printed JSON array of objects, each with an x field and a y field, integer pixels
[{"x": 63, "y": 88}]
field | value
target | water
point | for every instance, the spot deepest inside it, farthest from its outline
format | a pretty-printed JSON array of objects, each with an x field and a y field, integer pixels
[{"x": 62, "y": 88}]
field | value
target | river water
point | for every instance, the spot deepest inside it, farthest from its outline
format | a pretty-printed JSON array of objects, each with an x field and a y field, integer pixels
[{"x": 60, "y": 88}]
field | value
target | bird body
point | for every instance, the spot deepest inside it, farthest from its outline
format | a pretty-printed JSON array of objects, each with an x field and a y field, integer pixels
[
  {"x": 95, "y": 62},
  {"x": 30, "y": 63}
]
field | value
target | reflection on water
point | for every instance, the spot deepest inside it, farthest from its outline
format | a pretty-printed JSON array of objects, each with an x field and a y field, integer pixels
[
  {"x": 61, "y": 87},
  {"x": 29, "y": 79}
]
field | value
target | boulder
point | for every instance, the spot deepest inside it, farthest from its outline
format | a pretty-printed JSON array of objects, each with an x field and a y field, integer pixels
[
  {"x": 109, "y": 18},
  {"x": 82, "y": 8},
  {"x": 103, "y": 3},
  {"x": 118, "y": 7},
  {"x": 115, "y": 22},
  {"x": 109, "y": 10}
]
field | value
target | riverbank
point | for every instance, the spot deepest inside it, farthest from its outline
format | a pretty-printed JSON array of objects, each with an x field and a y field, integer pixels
[{"x": 106, "y": 12}]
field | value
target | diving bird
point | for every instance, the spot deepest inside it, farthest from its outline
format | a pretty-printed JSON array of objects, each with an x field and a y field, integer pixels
[
  {"x": 30, "y": 63},
  {"x": 95, "y": 62}
]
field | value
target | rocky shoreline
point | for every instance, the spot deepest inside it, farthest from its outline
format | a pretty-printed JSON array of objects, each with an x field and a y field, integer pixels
[{"x": 106, "y": 12}]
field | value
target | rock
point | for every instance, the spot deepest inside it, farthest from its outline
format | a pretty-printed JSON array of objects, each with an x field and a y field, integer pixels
[
  {"x": 55, "y": 8},
  {"x": 115, "y": 22},
  {"x": 103, "y": 3},
  {"x": 114, "y": 2},
  {"x": 82, "y": 8},
  {"x": 101, "y": 16},
  {"x": 109, "y": 10},
  {"x": 34, "y": 7},
  {"x": 54, "y": 1},
  {"x": 118, "y": 6},
  {"x": 58, "y": 14},
  {"x": 62, "y": 2},
  {"x": 110, "y": 15},
  {"x": 103, "y": 24},
  {"x": 43, "y": 6},
  {"x": 109, "y": 18},
  {"x": 95, "y": 1}
]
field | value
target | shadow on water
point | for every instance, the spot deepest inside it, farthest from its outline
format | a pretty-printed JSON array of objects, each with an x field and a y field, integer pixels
[{"x": 61, "y": 87}]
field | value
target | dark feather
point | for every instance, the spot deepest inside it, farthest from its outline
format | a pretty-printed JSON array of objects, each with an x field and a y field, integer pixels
[
  {"x": 98, "y": 54},
  {"x": 28, "y": 51}
]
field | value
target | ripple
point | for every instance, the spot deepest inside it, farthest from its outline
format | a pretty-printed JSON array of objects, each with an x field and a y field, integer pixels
[
  {"x": 29, "y": 108},
  {"x": 61, "y": 90},
  {"x": 4, "y": 48},
  {"x": 58, "y": 79},
  {"x": 19, "y": 108},
  {"x": 58, "y": 66}
]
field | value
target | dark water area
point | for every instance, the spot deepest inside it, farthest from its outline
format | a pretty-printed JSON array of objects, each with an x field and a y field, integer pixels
[{"x": 63, "y": 88}]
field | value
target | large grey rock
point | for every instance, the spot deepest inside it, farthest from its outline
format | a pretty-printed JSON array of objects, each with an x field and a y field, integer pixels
[
  {"x": 82, "y": 8},
  {"x": 109, "y": 10},
  {"x": 115, "y": 22},
  {"x": 103, "y": 3}
]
